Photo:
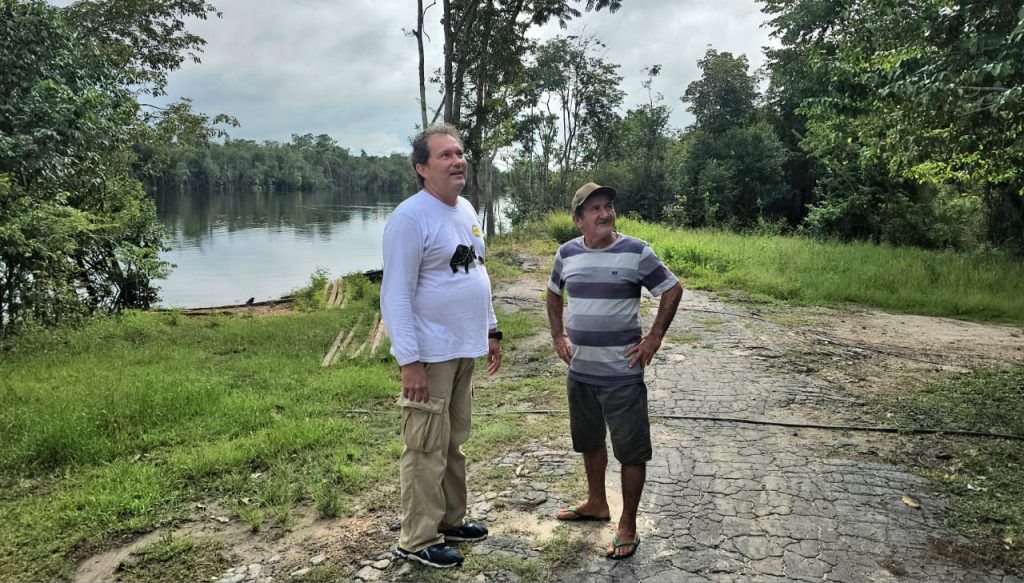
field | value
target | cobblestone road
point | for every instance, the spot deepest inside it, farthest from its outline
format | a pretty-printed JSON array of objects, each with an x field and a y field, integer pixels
[
  {"x": 726, "y": 499},
  {"x": 734, "y": 502}
]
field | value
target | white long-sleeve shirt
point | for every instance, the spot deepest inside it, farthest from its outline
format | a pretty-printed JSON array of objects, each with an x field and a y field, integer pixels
[{"x": 432, "y": 312}]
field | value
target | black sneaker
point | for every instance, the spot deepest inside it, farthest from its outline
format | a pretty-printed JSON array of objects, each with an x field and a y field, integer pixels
[
  {"x": 439, "y": 556},
  {"x": 469, "y": 532}
]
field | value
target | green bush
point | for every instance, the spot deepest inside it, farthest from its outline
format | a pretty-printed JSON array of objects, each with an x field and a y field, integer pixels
[
  {"x": 312, "y": 297},
  {"x": 560, "y": 227}
]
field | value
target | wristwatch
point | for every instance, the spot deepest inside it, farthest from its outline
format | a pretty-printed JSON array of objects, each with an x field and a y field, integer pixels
[{"x": 497, "y": 335}]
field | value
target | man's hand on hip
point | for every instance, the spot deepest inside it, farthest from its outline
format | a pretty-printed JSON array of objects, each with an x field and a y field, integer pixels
[
  {"x": 414, "y": 382},
  {"x": 643, "y": 351}
]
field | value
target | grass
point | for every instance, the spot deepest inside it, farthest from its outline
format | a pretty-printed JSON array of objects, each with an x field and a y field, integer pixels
[
  {"x": 327, "y": 573},
  {"x": 175, "y": 559},
  {"x": 558, "y": 554},
  {"x": 986, "y": 400},
  {"x": 983, "y": 479},
  {"x": 984, "y": 286},
  {"x": 121, "y": 425},
  {"x": 980, "y": 285},
  {"x": 124, "y": 425},
  {"x": 711, "y": 325},
  {"x": 683, "y": 339}
]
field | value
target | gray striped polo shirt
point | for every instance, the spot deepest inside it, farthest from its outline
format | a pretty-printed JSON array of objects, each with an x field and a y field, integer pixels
[{"x": 604, "y": 304}]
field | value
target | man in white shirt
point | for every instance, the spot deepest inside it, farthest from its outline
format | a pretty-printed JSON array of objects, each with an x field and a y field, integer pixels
[{"x": 436, "y": 303}]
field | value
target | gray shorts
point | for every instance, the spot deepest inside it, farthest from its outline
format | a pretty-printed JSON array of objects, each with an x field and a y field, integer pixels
[{"x": 622, "y": 408}]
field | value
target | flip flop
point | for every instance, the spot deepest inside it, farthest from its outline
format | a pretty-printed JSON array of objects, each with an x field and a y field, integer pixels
[
  {"x": 616, "y": 545},
  {"x": 578, "y": 516}
]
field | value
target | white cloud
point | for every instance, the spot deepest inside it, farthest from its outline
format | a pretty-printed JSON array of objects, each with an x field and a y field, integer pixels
[
  {"x": 347, "y": 69},
  {"x": 675, "y": 35}
]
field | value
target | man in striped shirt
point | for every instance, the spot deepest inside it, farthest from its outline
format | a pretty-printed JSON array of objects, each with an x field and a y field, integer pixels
[{"x": 604, "y": 346}]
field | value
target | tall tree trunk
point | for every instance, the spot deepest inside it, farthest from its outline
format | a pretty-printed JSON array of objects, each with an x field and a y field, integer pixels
[
  {"x": 449, "y": 48},
  {"x": 489, "y": 195},
  {"x": 423, "y": 78},
  {"x": 477, "y": 141},
  {"x": 474, "y": 190}
]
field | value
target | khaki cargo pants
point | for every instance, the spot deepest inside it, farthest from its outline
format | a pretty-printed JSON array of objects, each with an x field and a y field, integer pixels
[{"x": 433, "y": 467}]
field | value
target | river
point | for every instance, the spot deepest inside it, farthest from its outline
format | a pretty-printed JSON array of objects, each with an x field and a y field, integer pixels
[{"x": 229, "y": 247}]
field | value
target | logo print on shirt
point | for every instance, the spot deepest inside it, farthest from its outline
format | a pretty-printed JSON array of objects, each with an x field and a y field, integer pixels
[{"x": 476, "y": 231}]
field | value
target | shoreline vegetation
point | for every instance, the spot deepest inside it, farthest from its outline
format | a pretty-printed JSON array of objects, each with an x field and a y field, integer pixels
[{"x": 128, "y": 424}]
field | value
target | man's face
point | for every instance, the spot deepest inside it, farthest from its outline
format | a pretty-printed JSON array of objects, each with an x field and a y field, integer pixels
[
  {"x": 597, "y": 218},
  {"x": 445, "y": 170}
]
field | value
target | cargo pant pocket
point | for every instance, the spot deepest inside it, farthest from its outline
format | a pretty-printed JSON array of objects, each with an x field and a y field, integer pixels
[{"x": 423, "y": 424}]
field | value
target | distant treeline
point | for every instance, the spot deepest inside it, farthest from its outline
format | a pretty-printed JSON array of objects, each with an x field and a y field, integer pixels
[{"x": 306, "y": 163}]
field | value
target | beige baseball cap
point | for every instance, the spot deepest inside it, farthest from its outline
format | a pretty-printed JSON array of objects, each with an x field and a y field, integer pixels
[{"x": 588, "y": 189}]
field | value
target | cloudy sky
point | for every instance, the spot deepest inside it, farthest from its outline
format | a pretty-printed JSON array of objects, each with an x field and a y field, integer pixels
[{"x": 345, "y": 68}]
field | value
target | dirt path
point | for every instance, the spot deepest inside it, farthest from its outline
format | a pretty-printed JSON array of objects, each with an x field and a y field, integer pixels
[{"x": 724, "y": 501}]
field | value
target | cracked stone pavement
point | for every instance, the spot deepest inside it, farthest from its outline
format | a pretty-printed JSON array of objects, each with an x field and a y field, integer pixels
[{"x": 736, "y": 502}]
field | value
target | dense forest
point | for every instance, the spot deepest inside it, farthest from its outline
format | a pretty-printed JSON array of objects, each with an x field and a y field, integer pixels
[
  {"x": 306, "y": 163},
  {"x": 78, "y": 234},
  {"x": 897, "y": 121}
]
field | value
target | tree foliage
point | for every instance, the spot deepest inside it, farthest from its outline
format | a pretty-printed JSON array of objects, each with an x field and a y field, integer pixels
[
  {"x": 897, "y": 101},
  {"x": 485, "y": 44},
  {"x": 569, "y": 96},
  {"x": 733, "y": 170},
  {"x": 635, "y": 154},
  {"x": 895, "y": 122},
  {"x": 723, "y": 98},
  {"x": 306, "y": 163},
  {"x": 77, "y": 232}
]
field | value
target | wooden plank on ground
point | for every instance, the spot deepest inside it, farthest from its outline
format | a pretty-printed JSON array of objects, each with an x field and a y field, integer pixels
[
  {"x": 333, "y": 300},
  {"x": 358, "y": 350},
  {"x": 348, "y": 339},
  {"x": 378, "y": 337},
  {"x": 329, "y": 293},
  {"x": 371, "y": 336},
  {"x": 339, "y": 345},
  {"x": 339, "y": 297},
  {"x": 333, "y": 349}
]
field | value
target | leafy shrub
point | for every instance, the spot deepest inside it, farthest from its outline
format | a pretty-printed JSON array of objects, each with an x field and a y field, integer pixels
[
  {"x": 560, "y": 227},
  {"x": 312, "y": 297}
]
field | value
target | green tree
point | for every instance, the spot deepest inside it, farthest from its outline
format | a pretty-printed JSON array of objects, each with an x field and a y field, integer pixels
[
  {"x": 634, "y": 153},
  {"x": 172, "y": 144},
  {"x": 77, "y": 232},
  {"x": 723, "y": 97},
  {"x": 485, "y": 42},
  {"x": 569, "y": 98},
  {"x": 586, "y": 89},
  {"x": 733, "y": 171},
  {"x": 926, "y": 93}
]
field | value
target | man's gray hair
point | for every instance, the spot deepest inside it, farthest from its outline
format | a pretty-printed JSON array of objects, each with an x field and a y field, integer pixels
[{"x": 421, "y": 150}]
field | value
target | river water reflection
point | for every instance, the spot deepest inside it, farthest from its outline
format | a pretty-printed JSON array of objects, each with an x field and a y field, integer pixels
[{"x": 229, "y": 247}]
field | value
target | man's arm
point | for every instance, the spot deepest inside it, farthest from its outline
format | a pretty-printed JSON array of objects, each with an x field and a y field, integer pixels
[
  {"x": 556, "y": 306},
  {"x": 643, "y": 352},
  {"x": 402, "y": 257}
]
